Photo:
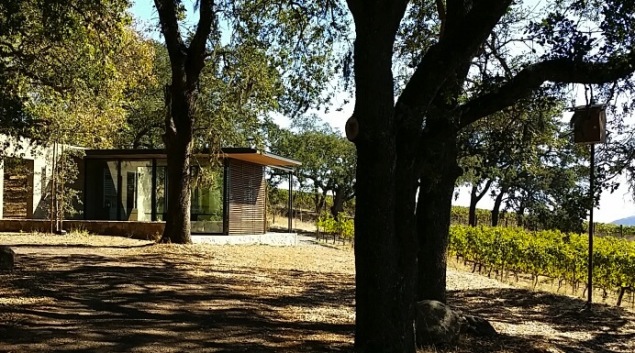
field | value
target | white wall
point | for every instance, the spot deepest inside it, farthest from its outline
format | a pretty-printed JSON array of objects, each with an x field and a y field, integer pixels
[{"x": 42, "y": 157}]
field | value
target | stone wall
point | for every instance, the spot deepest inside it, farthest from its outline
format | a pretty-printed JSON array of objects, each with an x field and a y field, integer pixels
[{"x": 137, "y": 230}]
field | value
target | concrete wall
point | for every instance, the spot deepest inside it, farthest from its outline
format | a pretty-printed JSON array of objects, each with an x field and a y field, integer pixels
[{"x": 136, "y": 230}]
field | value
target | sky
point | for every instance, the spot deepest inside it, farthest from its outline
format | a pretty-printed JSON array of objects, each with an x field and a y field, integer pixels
[{"x": 612, "y": 206}]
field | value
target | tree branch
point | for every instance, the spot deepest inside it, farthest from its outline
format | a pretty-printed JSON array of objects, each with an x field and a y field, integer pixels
[
  {"x": 533, "y": 76},
  {"x": 459, "y": 44},
  {"x": 441, "y": 12},
  {"x": 196, "y": 52},
  {"x": 170, "y": 28},
  {"x": 492, "y": 45},
  {"x": 479, "y": 195}
]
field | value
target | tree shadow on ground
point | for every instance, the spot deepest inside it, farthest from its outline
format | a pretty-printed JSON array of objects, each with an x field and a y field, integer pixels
[
  {"x": 603, "y": 328},
  {"x": 150, "y": 303},
  {"x": 77, "y": 246}
]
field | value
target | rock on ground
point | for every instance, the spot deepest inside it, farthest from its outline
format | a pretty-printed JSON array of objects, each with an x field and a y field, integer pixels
[
  {"x": 436, "y": 323},
  {"x": 7, "y": 258},
  {"x": 477, "y": 326}
]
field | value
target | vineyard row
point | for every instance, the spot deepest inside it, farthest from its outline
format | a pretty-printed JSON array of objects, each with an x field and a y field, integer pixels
[{"x": 562, "y": 256}]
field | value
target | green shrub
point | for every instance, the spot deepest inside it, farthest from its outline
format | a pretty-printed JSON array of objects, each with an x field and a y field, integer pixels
[{"x": 344, "y": 227}]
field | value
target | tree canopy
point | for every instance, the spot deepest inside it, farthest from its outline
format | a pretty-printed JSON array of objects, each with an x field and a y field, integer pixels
[
  {"x": 66, "y": 69},
  {"x": 328, "y": 162}
]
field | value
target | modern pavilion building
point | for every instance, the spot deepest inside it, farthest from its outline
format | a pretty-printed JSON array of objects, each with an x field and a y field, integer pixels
[{"x": 130, "y": 186}]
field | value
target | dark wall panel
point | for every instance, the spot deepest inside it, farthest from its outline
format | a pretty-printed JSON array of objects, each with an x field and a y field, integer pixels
[{"x": 246, "y": 198}]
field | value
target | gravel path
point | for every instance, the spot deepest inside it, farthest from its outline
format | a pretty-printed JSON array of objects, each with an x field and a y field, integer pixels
[{"x": 274, "y": 239}]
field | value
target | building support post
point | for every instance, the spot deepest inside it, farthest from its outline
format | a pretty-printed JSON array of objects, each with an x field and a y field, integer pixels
[
  {"x": 119, "y": 191},
  {"x": 290, "y": 214},
  {"x": 153, "y": 193}
]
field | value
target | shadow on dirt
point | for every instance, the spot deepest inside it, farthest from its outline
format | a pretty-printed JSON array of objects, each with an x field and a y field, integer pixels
[
  {"x": 603, "y": 325},
  {"x": 145, "y": 302},
  {"x": 78, "y": 246}
]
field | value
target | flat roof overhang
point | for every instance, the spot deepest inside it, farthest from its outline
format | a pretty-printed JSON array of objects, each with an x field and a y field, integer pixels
[{"x": 244, "y": 154}]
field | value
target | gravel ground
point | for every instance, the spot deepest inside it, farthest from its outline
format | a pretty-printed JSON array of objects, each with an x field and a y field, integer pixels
[
  {"x": 274, "y": 239},
  {"x": 83, "y": 293}
]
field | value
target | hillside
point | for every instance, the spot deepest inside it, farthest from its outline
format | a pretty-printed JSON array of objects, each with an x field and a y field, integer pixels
[{"x": 628, "y": 221}]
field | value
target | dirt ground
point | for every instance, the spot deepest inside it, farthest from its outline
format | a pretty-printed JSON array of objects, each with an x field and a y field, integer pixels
[{"x": 83, "y": 293}]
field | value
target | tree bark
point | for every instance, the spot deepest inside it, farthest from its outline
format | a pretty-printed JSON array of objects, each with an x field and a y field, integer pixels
[
  {"x": 341, "y": 195},
  {"x": 383, "y": 302},
  {"x": 186, "y": 63},
  {"x": 384, "y": 259},
  {"x": 498, "y": 201},
  {"x": 472, "y": 211},
  {"x": 475, "y": 197},
  {"x": 177, "y": 225},
  {"x": 178, "y": 142},
  {"x": 338, "y": 202},
  {"x": 440, "y": 171}
]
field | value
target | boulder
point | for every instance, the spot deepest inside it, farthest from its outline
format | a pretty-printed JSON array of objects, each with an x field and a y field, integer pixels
[
  {"x": 477, "y": 326},
  {"x": 436, "y": 323},
  {"x": 7, "y": 258}
]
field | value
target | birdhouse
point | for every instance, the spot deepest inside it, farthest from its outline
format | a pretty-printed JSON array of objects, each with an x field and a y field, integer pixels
[{"x": 589, "y": 124}]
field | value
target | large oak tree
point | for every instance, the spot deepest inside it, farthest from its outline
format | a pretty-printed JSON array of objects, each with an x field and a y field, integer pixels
[
  {"x": 187, "y": 60},
  {"x": 271, "y": 39},
  {"x": 410, "y": 142}
]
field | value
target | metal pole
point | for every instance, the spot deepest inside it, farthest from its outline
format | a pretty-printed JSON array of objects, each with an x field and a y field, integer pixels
[
  {"x": 591, "y": 186},
  {"x": 290, "y": 203}
]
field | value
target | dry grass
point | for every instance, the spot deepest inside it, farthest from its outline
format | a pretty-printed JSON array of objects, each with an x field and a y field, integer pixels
[
  {"x": 105, "y": 294},
  {"x": 282, "y": 222}
]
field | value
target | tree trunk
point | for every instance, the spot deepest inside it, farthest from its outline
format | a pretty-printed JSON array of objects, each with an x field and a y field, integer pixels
[
  {"x": 475, "y": 197},
  {"x": 473, "y": 200},
  {"x": 497, "y": 206},
  {"x": 316, "y": 200},
  {"x": 178, "y": 145},
  {"x": 340, "y": 196},
  {"x": 186, "y": 63},
  {"x": 520, "y": 217},
  {"x": 383, "y": 304},
  {"x": 440, "y": 171},
  {"x": 319, "y": 199},
  {"x": 384, "y": 258},
  {"x": 322, "y": 204}
]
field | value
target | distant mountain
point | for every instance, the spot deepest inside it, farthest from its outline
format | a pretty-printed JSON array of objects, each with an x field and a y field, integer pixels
[{"x": 628, "y": 221}]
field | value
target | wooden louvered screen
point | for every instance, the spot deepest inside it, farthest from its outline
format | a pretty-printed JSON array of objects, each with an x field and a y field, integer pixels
[{"x": 246, "y": 198}]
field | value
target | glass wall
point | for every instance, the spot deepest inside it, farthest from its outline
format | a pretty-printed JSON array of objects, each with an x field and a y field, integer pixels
[
  {"x": 101, "y": 190},
  {"x": 136, "y": 186},
  {"x": 207, "y": 200},
  {"x": 136, "y": 190}
]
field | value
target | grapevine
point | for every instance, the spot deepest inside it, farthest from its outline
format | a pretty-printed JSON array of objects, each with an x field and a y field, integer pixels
[{"x": 550, "y": 253}]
